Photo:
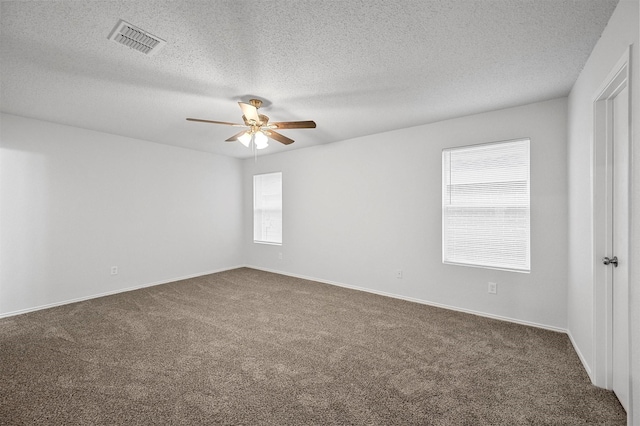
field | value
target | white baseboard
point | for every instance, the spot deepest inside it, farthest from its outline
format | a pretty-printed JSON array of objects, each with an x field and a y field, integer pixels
[
  {"x": 339, "y": 284},
  {"x": 412, "y": 299},
  {"x": 109, "y": 293},
  {"x": 580, "y": 356}
]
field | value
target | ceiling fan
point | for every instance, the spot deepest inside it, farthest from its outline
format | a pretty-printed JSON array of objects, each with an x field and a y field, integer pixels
[{"x": 259, "y": 129}]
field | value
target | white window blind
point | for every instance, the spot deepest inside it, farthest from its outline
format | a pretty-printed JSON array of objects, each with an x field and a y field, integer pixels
[
  {"x": 485, "y": 205},
  {"x": 267, "y": 208}
]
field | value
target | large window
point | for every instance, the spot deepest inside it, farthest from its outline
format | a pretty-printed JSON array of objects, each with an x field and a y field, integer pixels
[
  {"x": 485, "y": 205},
  {"x": 267, "y": 208}
]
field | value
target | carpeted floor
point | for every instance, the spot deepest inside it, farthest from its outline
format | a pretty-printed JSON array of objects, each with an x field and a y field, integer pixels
[{"x": 246, "y": 347}]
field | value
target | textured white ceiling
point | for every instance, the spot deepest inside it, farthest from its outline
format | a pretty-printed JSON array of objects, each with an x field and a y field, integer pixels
[{"x": 356, "y": 67}]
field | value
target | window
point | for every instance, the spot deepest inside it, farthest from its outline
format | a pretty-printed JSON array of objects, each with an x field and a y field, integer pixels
[
  {"x": 485, "y": 206},
  {"x": 267, "y": 208}
]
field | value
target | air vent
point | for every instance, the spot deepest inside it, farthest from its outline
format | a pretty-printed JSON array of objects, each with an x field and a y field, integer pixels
[{"x": 135, "y": 38}]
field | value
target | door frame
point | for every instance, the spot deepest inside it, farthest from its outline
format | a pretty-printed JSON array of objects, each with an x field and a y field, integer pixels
[{"x": 602, "y": 208}]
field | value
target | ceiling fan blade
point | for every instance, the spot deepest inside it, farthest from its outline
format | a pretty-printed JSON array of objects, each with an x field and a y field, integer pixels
[
  {"x": 280, "y": 138},
  {"x": 294, "y": 124},
  {"x": 216, "y": 122},
  {"x": 250, "y": 112},
  {"x": 236, "y": 136}
]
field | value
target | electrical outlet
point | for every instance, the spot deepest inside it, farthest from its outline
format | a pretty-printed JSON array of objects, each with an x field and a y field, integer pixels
[
  {"x": 493, "y": 288},
  {"x": 399, "y": 274},
  {"x": 114, "y": 270},
  {"x": 280, "y": 255}
]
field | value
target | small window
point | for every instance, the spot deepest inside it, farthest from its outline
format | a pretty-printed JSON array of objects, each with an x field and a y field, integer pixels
[
  {"x": 267, "y": 208},
  {"x": 485, "y": 206}
]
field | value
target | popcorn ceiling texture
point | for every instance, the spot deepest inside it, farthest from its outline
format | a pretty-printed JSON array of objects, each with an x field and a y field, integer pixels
[{"x": 355, "y": 67}]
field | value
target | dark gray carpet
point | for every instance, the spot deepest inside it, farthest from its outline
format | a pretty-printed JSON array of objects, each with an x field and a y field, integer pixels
[{"x": 246, "y": 347}]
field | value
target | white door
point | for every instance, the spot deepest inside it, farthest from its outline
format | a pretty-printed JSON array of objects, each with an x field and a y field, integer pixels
[{"x": 620, "y": 247}]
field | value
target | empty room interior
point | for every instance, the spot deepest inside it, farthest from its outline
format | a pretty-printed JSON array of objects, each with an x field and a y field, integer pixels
[{"x": 320, "y": 212}]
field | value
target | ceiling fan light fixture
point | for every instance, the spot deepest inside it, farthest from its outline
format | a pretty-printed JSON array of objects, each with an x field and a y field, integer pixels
[
  {"x": 261, "y": 140},
  {"x": 259, "y": 130},
  {"x": 245, "y": 139}
]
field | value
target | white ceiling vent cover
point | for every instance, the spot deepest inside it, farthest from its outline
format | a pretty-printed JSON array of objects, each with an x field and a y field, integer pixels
[{"x": 136, "y": 38}]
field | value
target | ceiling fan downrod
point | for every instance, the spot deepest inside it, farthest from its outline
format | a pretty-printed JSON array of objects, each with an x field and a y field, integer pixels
[{"x": 255, "y": 102}]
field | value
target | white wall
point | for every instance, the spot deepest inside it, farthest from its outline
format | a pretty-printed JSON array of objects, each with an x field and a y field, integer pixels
[
  {"x": 75, "y": 202},
  {"x": 634, "y": 290},
  {"x": 358, "y": 210},
  {"x": 621, "y": 32}
]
